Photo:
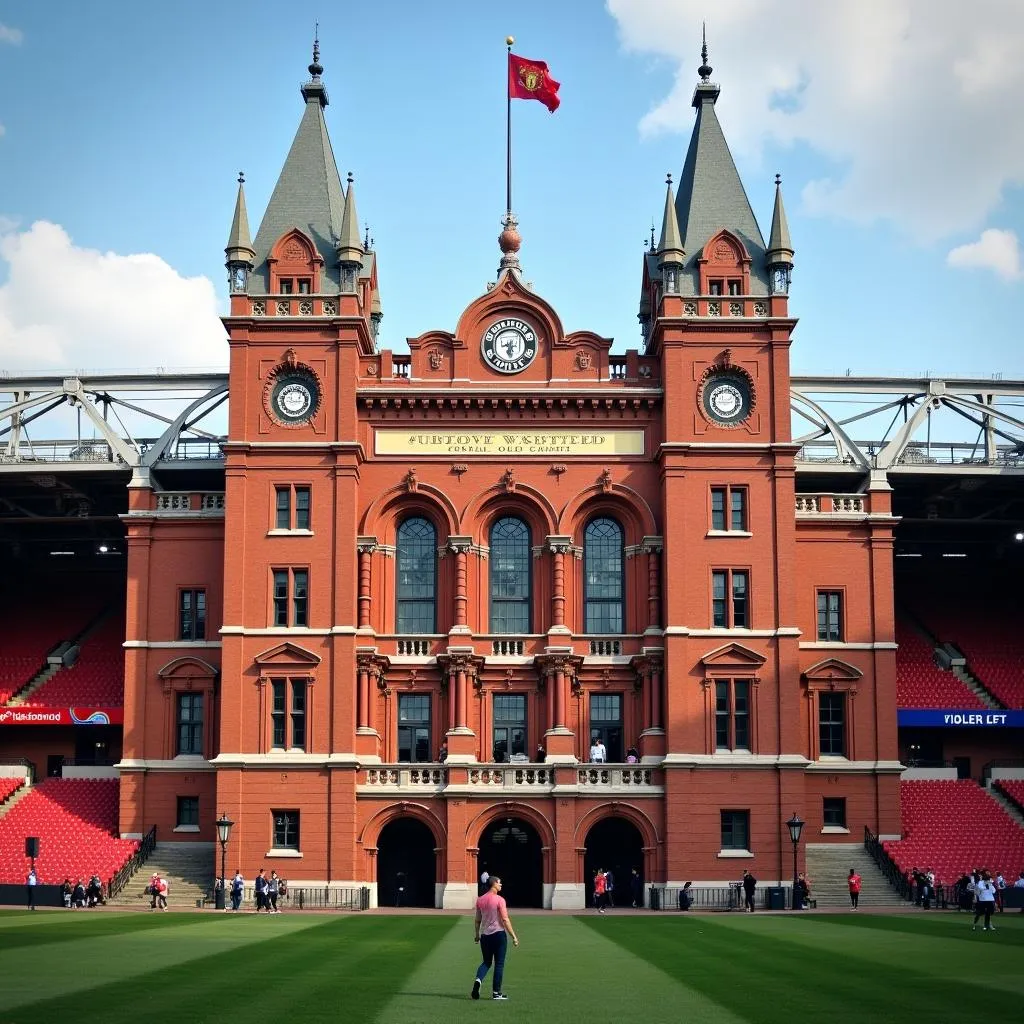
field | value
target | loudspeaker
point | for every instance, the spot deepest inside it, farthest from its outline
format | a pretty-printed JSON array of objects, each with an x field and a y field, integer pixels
[{"x": 31, "y": 846}]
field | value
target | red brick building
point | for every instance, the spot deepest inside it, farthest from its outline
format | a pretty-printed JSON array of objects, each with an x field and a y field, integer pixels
[{"x": 509, "y": 539}]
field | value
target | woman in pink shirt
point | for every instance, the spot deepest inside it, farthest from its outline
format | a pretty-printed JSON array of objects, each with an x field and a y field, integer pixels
[{"x": 491, "y": 929}]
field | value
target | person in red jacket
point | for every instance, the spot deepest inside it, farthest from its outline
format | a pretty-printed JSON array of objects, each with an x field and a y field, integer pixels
[{"x": 853, "y": 881}]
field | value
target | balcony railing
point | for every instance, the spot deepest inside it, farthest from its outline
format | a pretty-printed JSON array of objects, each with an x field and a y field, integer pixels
[{"x": 511, "y": 778}]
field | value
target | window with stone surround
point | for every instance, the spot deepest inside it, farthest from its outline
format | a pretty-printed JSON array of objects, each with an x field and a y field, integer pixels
[
  {"x": 729, "y": 509},
  {"x": 730, "y": 599},
  {"x": 291, "y": 597},
  {"x": 291, "y": 507},
  {"x": 736, "y": 830},
  {"x": 189, "y": 723},
  {"x": 188, "y": 812},
  {"x": 416, "y": 577},
  {"x": 732, "y": 714},
  {"x": 509, "y": 725},
  {"x": 603, "y": 577},
  {"x": 192, "y": 614},
  {"x": 830, "y": 615},
  {"x": 288, "y": 713},
  {"x": 286, "y": 830},
  {"x": 414, "y": 727},
  {"x": 510, "y": 576}
]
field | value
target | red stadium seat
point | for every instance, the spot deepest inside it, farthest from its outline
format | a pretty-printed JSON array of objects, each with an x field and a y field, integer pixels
[{"x": 920, "y": 683}]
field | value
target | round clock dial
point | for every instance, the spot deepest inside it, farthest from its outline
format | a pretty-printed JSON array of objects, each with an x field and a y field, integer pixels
[
  {"x": 509, "y": 346},
  {"x": 727, "y": 397},
  {"x": 295, "y": 397}
]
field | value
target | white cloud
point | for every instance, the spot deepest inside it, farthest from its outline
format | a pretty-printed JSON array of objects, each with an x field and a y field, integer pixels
[
  {"x": 995, "y": 250},
  {"x": 915, "y": 102},
  {"x": 10, "y": 35},
  {"x": 64, "y": 307}
]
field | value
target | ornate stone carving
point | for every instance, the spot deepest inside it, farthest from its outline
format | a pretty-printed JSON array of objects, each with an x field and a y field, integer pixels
[
  {"x": 410, "y": 481},
  {"x": 583, "y": 359},
  {"x": 435, "y": 357},
  {"x": 605, "y": 480},
  {"x": 508, "y": 480}
]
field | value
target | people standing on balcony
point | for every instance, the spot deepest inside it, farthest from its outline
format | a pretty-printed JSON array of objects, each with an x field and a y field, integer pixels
[
  {"x": 853, "y": 880},
  {"x": 442, "y": 754},
  {"x": 749, "y": 888},
  {"x": 541, "y": 755},
  {"x": 598, "y": 752},
  {"x": 985, "y": 892},
  {"x": 632, "y": 756}
]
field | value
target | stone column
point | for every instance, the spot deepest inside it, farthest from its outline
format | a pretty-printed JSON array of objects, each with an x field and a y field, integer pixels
[
  {"x": 652, "y": 547},
  {"x": 656, "y": 698},
  {"x": 363, "y": 697},
  {"x": 366, "y": 547},
  {"x": 559, "y": 548},
  {"x": 460, "y": 697},
  {"x": 460, "y": 546}
]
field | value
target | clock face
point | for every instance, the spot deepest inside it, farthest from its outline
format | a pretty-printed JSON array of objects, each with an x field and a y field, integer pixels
[
  {"x": 727, "y": 398},
  {"x": 295, "y": 397},
  {"x": 509, "y": 346}
]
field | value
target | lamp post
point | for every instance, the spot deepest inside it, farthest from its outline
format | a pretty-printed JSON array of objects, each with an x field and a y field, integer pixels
[
  {"x": 223, "y": 824},
  {"x": 795, "y": 826}
]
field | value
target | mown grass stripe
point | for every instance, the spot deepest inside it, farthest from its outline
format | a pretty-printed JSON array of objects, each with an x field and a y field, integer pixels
[
  {"x": 754, "y": 967},
  {"x": 562, "y": 972},
  {"x": 68, "y": 926},
  {"x": 329, "y": 969}
]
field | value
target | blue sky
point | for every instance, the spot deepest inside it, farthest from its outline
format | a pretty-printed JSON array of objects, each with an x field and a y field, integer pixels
[{"x": 124, "y": 126}]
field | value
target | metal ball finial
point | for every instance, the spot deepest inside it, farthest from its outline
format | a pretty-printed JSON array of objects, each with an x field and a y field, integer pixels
[
  {"x": 705, "y": 69},
  {"x": 350, "y": 178},
  {"x": 778, "y": 180},
  {"x": 668, "y": 179},
  {"x": 241, "y": 177},
  {"x": 509, "y": 40},
  {"x": 316, "y": 69}
]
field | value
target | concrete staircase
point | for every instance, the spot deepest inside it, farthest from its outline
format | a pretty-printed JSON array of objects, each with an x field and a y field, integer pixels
[
  {"x": 188, "y": 868},
  {"x": 828, "y": 867},
  {"x": 17, "y": 796},
  {"x": 1004, "y": 801}
]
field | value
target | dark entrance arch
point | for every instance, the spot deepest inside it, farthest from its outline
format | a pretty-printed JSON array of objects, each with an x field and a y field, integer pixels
[
  {"x": 406, "y": 864},
  {"x": 510, "y": 848},
  {"x": 615, "y": 845}
]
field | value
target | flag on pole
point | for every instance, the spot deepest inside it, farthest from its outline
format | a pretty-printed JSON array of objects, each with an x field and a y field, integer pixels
[{"x": 531, "y": 80}]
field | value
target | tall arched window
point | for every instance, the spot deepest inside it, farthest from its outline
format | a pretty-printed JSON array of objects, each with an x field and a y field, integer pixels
[
  {"x": 416, "y": 574},
  {"x": 510, "y": 576},
  {"x": 603, "y": 589}
]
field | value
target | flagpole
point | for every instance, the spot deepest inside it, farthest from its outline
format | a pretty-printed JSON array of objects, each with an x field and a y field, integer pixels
[{"x": 509, "y": 40}]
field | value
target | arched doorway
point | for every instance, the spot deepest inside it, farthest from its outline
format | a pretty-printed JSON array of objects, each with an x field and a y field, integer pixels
[
  {"x": 615, "y": 845},
  {"x": 406, "y": 864},
  {"x": 510, "y": 848}
]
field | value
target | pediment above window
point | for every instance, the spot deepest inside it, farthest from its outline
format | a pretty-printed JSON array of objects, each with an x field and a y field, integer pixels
[
  {"x": 731, "y": 656},
  {"x": 832, "y": 672},
  {"x": 286, "y": 656},
  {"x": 188, "y": 668}
]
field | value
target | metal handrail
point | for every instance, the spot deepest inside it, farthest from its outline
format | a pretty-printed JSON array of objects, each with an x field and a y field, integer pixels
[{"x": 141, "y": 855}]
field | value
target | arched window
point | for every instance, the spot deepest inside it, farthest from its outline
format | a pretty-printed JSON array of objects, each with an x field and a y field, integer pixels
[
  {"x": 510, "y": 576},
  {"x": 603, "y": 589},
  {"x": 416, "y": 573}
]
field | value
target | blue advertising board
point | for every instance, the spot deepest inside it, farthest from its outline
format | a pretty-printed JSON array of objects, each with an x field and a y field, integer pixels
[{"x": 953, "y": 718}]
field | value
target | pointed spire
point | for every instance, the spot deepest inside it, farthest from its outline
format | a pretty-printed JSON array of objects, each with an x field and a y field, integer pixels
[
  {"x": 670, "y": 248},
  {"x": 711, "y": 195},
  {"x": 239, "y": 251},
  {"x": 348, "y": 247},
  {"x": 705, "y": 87},
  {"x": 705, "y": 69},
  {"x": 239, "y": 236},
  {"x": 779, "y": 257}
]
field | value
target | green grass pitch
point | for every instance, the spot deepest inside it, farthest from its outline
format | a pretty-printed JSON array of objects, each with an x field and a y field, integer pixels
[{"x": 109, "y": 968}]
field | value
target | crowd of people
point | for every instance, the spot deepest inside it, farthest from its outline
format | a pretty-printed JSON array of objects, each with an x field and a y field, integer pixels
[{"x": 82, "y": 895}]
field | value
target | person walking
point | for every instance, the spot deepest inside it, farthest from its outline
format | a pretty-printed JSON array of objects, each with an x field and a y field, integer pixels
[
  {"x": 237, "y": 889},
  {"x": 260, "y": 887},
  {"x": 272, "y": 890},
  {"x": 749, "y": 887},
  {"x": 985, "y": 893},
  {"x": 600, "y": 889},
  {"x": 30, "y": 888},
  {"x": 853, "y": 880},
  {"x": 492, "y": 929}
]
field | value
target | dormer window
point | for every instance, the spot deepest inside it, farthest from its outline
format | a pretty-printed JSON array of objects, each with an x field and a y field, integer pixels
[
  {"x": 286, "y": 286},
  {"x": 714, "y": 287},
  {"x": 304, "y": 286},
  {"x": 735, "y": 287}
]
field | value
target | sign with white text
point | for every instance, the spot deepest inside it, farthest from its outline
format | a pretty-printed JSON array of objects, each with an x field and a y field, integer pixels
[
  {"x": 24, "y": 714},
  {"x": 955, "y": 719}
]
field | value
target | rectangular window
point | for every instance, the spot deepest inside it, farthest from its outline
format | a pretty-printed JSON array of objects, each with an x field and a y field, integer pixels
[
  {"x": 729, "y": 509},
  {"x": 188, "y": 811},
  {"x": 730, "y": 599},
  {"x": 606, "y": 724},
  {"x": 286, "y": 830},
  {"x": 286, "y": 286},
  {"x": 830, "y": 615},
  {"x": 286, "y": 499},
  {"x": 735, "y": 830},
  {"x": 509, "y": 726},
  {"x": 190, "y": 723},
  {"x": 732, "y": 714},
  {"x": 304, "y": 285},
  {"x": 302, "y": 497},
  {"x": 291, "y": 597},
  {"x": 283, "y": 516},
  {"x": 414, "y": 727},
  {"x": 298, "y": 714},
  {"x": 832, "y": 724},
  {"x": 715, "y": 287},
  {"x": 192, "y": 615},
  {"x": 835, "y": 811},
  {"x": 288, "y": 714},
  {"x": 735, "y": 287}
]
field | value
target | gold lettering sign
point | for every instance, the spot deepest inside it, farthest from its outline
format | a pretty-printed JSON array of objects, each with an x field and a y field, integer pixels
[{"x": 501, "y": 443}]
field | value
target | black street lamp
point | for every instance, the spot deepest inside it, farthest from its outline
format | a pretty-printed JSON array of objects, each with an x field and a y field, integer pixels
[
  {"x": 223, "y": 824},
  {"x": 795, "y": 826}
]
